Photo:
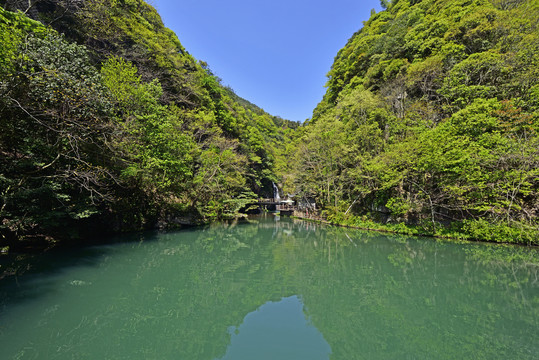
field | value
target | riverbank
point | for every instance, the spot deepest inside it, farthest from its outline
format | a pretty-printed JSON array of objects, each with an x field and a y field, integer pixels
[{"x": 458, "y": 231}]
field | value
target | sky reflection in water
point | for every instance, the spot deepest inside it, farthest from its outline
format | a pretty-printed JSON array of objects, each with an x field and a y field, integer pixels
[{"x": 277, "y": 330}]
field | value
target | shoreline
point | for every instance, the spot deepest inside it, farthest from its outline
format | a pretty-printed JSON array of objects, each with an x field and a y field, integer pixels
[{"x": 461, "y": 239}]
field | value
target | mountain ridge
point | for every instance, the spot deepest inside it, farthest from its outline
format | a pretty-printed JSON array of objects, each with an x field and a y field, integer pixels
[
  {"x": 429, "y": 123},
  {"x": 113, "y": 125}
]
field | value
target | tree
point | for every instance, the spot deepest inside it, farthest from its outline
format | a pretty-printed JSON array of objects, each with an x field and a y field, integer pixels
[{"x": 55, "y": 121}]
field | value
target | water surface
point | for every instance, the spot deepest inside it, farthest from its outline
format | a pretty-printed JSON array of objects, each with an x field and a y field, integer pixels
[{"x": 274, "y": 289}]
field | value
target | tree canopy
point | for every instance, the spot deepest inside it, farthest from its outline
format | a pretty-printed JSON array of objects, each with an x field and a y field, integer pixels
[
  {"x": 431, "y": 119},
  {"x": 429, "y": 124},
  {"x": 109, "y": 123}
]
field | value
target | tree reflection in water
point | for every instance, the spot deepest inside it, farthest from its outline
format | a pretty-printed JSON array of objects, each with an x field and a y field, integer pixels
[{"x": 365, "y": 295}]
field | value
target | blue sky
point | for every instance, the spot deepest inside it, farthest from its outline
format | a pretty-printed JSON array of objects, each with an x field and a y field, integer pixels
[{"x": 275, "y": 53}]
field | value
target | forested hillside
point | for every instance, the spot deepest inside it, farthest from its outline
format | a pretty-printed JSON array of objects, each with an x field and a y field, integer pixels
[
  {"x": 430, "y": 123},
  {"x": 108, "y": 123}
]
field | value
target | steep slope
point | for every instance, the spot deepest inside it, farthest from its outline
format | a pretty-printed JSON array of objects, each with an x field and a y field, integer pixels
[
  {"x": 108, "y": 122},
  {"x": 431, "y": 118}
]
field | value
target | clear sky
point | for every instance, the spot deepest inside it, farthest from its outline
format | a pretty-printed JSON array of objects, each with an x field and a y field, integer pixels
[{"x": 276, "y": 53}]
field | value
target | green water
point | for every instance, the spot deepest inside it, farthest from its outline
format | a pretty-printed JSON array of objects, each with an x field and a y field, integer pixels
[{"x": 274, "y": 289}]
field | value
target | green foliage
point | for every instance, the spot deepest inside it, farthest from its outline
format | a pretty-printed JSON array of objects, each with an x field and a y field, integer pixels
[
  {"x": 429, "y": 124},
  {"x": 435, "y": 103},
  {"x": 121, "y": 78},
  {"x": 502, "y": 232},
  {"x": 127, "y": 133},
  {"x": 55, "y": 121}
]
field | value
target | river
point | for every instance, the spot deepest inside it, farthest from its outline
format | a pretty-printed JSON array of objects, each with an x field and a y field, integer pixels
[{"x": 274, "y": 288}]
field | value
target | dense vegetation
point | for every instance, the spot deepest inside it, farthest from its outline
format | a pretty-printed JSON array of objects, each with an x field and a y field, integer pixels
[
  {"x": 430, "y": 123},
  {"x": 109, "y": 123}
]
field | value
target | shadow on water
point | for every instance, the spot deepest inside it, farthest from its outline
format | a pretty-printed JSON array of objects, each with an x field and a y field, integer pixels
[{"x": 20, "y": 271}]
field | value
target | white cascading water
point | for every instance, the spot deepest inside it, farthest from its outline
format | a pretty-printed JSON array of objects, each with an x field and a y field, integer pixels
[{"x": 276, "y": 192}]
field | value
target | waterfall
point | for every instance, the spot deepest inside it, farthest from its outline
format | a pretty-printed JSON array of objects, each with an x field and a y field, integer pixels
[{"x": 276, "y": 192}]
